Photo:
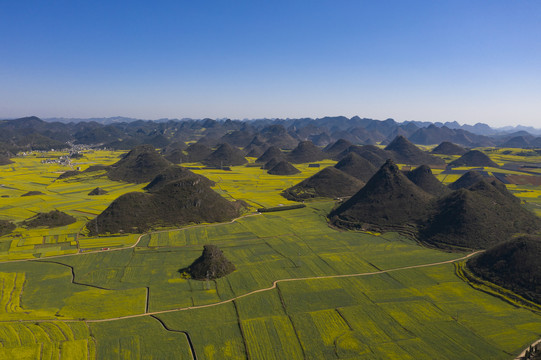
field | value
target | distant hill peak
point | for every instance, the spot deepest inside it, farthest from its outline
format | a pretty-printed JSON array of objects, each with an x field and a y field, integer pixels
[
  {"x": 283, "y": 168},
  {"x": 448, "y": 148},
  {"x": 140, "y": 165},
  {"x": 473, "y": 158},
  {"x": 422, "y": 176},
  {"x": 329, "y": 182}
]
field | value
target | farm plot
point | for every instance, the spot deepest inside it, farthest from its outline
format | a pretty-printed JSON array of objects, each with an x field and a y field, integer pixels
[
  {"x": 46, "y": 340},
  {"x": 69, "y": 195},
  {"x": 146, "y": 339},
  {"x": 420, "y": 313},
  {"x": 214, "y": 331},
  {"x": 255, "y": 186},
  {"x": 42, "y": 290},
  {"x": 117, "y": 241},
  {"x": 386, "y": 319}
]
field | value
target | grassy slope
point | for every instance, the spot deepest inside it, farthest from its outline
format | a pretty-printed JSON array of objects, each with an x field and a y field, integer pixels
[{"x": 418, "y": 313}]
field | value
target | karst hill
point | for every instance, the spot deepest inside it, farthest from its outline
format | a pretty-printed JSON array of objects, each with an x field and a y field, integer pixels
[
  {"x": 212, "y": 264},
  {"x": 473, "y": 158},
  {"x": 140, "y": 165},
  {"x": 198, "y": 152},
  {"x": 185, "y": 199},
  {"x": 272, "y": 163},
  {"x": 174, "y": 152},
  {"x": 282, "y": 168},
  {"x": 254, "y": 151},
  {"x": 305, "y": 152},
  {"x": 174, "y": 173},
  {"x": 277, "y": 135},
  {"x": 404, "y": 151},
  {"x": 389, "y": 199},
  {"x": 468, "y": 179},
  {"x": 416, "y": 204},
  {"x": 329, "y": 182},
  {"x": 514, "y": 264},
  {"x": 449, "y": 148},
  {"x": 373, "y": 154},
  {"x": 54, "y": 218},
  {"x": 422, "y": 176},
  {"x": 97, "y": 191},
  {"x": 337, "y": 147},
  {"x": 225, "y": 155},
  {"x": 269, "y": 154},
  {"x": 357, "y": 166},
  {"x": 477, "y": 217}
]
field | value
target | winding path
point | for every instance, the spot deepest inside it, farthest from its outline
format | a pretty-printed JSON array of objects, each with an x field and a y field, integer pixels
[
  {"x": 276, "y": 282},
  {"x": 273, "y": 286}
]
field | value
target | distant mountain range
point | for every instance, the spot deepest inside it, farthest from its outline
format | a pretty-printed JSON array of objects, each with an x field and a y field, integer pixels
[
  {"x": 257, "y": 134},
  {"x": 479, "y": 128}
]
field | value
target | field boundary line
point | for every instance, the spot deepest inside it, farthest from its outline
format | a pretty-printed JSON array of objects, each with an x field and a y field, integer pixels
[
  {"x": 275, "y": 284},
  {"x": 188, "y": 339},
  {"x": 133, "y": 245}
]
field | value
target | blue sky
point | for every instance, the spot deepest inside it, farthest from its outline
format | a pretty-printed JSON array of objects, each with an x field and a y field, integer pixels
[{"x": 469, "y": 61}]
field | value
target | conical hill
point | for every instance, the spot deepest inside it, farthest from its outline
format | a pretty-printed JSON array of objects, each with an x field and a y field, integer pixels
[
  {"x": 258, "y": 141},
  {"x": 176, "y": 156},
  {"x": 272, "y": 163},
  {"x": 174, "y": 152},
  {"x": 172, "y": 174},
  {"x": 212, "y": 264},
  {"x": 254, "y": 151},
  {"x": 283, "y": 168},
  {"x": 329, "y": 182},
  {"x": 337, "y": 147},
  {"x": 357, "y": 167},
  {"x": 176, "y": 145},
  {"x": 373, "y": 154},
  {"x": 270, "y": 153},
  {"x": 422, "y": 176},
  {"x": 473, "y": 158},
  {"x": 305, "y": 152},
  {"x": 98, "y": 191},
  {"x": 449, "y": 148},
  {"x": 388, "y": 200},
  {"x": 478, "y": 217},
  {"x": 32, "y": 193},
  {"x": 197, "y": 152},
  {"x": 54, "y": 218},
  {"x": 277, "y": 135},
  {"x": 468, "y": 179},
  {"x": 514, "y": 264},
  {"x": 405, "y": 152},
  {"x": 139, "y": 165},
  {"x": 225, "y": 155},
  {"x": 519, "y": 142},
  {"x": 176, "y": 203}
]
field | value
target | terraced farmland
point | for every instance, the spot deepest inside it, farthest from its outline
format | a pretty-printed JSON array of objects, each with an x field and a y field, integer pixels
[{"x": 301, "y": 288}]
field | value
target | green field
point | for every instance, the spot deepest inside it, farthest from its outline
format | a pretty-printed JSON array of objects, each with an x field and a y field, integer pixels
[{"x": 292, "y": 297}]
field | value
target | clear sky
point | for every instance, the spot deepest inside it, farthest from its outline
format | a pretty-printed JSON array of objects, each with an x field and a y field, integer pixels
[{"x": 434, "y": 60}]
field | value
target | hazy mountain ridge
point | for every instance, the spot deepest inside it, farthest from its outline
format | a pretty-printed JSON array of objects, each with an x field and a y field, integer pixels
[{"x": 32, "y": 133}]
